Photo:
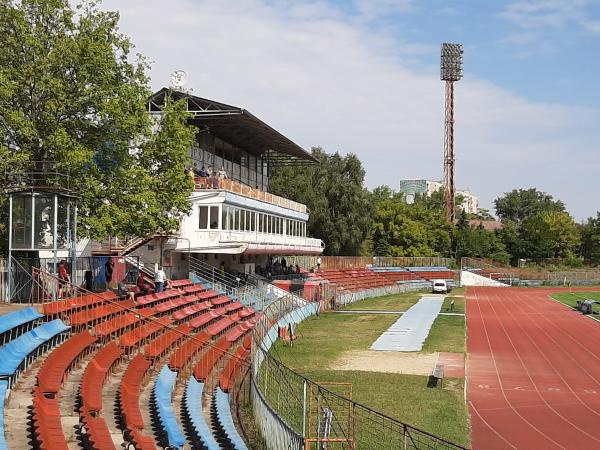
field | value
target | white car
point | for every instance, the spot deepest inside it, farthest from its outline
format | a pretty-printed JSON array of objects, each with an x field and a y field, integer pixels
[{"x": 439, "y": 287}]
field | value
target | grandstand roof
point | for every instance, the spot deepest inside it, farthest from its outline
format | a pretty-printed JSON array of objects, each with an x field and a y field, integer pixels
[{"x": 235, "y": 125}]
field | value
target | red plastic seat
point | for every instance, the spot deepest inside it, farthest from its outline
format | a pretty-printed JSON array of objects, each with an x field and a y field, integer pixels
[
  {"x": 56, "y": 365},
  {"x": 210, "y": 358},
  {"x": 165, "y": 341},
  {"x": 145, "y": 330},
  {"x": 188, "y": 350},
  {"x": 130, "y": 392}
]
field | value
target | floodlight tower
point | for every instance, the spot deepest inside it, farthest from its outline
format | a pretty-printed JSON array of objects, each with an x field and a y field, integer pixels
[{"x": 451, "y": 70}]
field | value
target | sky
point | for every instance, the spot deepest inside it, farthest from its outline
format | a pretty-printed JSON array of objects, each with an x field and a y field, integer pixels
[{"x": 363, "y": 77}]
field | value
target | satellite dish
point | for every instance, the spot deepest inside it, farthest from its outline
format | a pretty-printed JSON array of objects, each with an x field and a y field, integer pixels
[{"x": 179, "y": 78}]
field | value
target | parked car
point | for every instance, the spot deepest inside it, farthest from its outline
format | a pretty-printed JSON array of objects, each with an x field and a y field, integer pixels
[{"x": 439, "y": 287}]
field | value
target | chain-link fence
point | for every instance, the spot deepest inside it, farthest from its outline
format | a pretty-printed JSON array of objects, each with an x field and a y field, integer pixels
[
  {"x": 528, "y": 276},
  {"x": 353, "y": 262},
  {"x": 297, "y": 413}
]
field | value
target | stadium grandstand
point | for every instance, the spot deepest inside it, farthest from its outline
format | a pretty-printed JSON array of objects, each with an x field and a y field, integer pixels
[{"x": 104, "y": 361}]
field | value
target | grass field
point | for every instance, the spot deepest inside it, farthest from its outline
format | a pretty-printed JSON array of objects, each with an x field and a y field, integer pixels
[
  {"x": 404, "y": 397},
  {"x": 570, "y": 299},
  {"x": 459, "y": 304},
  {"x": 395, "y": 302},
  {"x": 446, "y": 335}
]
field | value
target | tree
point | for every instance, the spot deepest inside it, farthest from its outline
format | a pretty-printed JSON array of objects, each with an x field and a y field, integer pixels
[
  {"x": 334, "y": 193},
  {"x": 590, "y": 239},
  {"x": 72, "y": 94},
  {"x": 400, "y": 229},
  {"x": 520, "y": 204},
  {"x": 550, "y": 235}
]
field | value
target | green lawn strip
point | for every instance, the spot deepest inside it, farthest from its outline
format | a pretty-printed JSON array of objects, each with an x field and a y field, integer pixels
[
  {"x": 459, "y": 291},
  {"x": 395, "y": 302},
  {"x": 459, "y": 304},
  {"x": 447, "y": 334},
  {"x": 323, "y": 339},
  {"x": 571, "y": 298},
  {"x": 407, "y": 398}
]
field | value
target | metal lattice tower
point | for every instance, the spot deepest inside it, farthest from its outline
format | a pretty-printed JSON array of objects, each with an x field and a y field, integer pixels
[{"x": 451, "y": 70}]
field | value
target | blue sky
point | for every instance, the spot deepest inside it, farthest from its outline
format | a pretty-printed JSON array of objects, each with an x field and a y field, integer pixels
[
  {"x": 545, "y": 50},
  {"x": 363, "y": 77}
]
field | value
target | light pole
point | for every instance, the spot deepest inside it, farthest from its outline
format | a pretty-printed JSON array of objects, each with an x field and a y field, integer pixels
[{"x": 451, "y": 70}]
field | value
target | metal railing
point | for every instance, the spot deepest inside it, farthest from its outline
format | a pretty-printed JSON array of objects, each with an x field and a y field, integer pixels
[
  {"x": 356, "y": 262},
  {"x": 256, "y": 194},
  {"x": 296, "y": 413},
  {"x": 248, "y": 290}
]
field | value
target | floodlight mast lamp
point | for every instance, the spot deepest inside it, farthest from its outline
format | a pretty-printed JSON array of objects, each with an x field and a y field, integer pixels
[{"x": 451, "y": 70}]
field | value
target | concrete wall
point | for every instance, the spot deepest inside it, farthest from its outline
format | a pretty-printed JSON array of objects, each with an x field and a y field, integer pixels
[{"x": 472, "y": 279}]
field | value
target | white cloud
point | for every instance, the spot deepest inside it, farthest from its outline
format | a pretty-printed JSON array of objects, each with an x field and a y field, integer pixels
[
  {"x": 545, "y": 13},
  {"x": 323, "y": 79}
]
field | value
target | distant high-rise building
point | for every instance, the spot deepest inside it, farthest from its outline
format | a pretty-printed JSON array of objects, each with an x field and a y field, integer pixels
[{"x": 412, "y": 188}]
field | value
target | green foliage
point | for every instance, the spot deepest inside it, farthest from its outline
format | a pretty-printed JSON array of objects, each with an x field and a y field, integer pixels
[
  {"x": 409, "y": 230},
  {"x": 520, "y": 204},
  {"x": 478, "y": 242},
  {"x": 73, "y": 94},
  {"x": 590, "y": 239},
  {"x": 334, "y": 193}
]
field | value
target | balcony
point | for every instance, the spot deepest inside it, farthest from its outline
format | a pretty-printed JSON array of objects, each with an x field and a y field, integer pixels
[
  {"x": 256, "y": 194},
  {"x": 269, "y": 239}
]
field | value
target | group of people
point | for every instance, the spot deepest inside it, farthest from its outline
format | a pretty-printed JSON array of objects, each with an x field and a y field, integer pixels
[
  {"x": 160, "y": 281},
  {"x": 209, "y": 178},
  {"x": 277, "y": 267}
]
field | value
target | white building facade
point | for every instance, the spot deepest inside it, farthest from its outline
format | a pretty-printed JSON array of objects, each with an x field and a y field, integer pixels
[
  {"x": 412, "y": 188},
  {"x": 238, "y": 224}
]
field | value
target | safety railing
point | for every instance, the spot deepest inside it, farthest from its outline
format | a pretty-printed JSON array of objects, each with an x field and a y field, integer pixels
[
  {"x": 256, "y": 194},
  {"x": 362, "y": 262}
]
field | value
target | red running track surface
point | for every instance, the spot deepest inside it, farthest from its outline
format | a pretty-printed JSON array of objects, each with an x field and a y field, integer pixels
[{"x": 533, "y": 371}]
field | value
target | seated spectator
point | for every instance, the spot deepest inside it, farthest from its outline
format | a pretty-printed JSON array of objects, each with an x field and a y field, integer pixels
[
  {"x": 214, "y": 180},
  {"x": 297, "y": 269},
  {"x": 122, "y": 289},
  {"x": 202, "y": 172},
  {"x": 142, "y": 285}
]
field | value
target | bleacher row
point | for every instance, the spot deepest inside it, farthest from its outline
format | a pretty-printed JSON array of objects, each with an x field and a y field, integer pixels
[
  {"x": 373, "y": 277},
  {"x": 195, "y": 335}
]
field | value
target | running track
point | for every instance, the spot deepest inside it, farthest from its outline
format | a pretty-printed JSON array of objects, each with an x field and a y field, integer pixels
[{"x": 533, "y": 371}]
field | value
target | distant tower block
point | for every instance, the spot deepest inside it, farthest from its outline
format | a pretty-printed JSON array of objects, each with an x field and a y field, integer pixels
[{"x": 451, "y": 70}]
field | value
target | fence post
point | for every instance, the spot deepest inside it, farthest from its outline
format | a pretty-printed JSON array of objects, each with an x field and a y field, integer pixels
[{"x": 304, "y": 411}]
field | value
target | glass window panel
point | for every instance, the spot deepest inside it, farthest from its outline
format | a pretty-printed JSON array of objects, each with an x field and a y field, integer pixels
[
  {"x": 21, "y": 221},
  {"x": 44, "y": 222},
  {"x": 252, "y": 221},
  {"x": 236, "y": 225},
  {"x": 203, "y": 213},
  {"x": 214, "y": 217},
  {"x": 225, "y": 218}
]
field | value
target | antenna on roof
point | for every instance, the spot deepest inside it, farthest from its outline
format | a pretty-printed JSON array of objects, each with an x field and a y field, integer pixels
[{"x": 178, "y": 79}]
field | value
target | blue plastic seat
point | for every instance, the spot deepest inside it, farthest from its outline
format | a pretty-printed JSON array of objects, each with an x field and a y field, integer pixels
[
  {"x": 16, "y": 322},
  {"x": 193, "y": 408},
  {"x": 3, "y": 389},
  {"x": 226, "y": 420},
  {"x": 13, "y": 354},
  {"x": 163, "y": 398}
]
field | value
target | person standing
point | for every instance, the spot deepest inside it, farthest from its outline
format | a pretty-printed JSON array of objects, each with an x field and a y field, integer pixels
[
  {"x": 159, "y": 280},
  {"x": 318, "y": 262},
  {"x": 63, "y": 277},
  {"x": 108, "y": 272},
  {"x": 222, "y": 176}
]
